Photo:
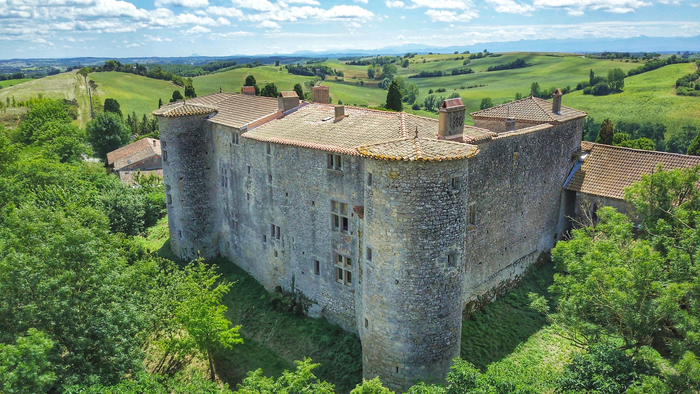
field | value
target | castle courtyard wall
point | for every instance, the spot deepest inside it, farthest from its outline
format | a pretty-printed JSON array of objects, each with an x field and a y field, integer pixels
[{"x": 516, "y": 188}]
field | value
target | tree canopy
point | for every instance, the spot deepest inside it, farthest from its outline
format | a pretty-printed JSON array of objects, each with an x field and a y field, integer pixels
[{"x": 106, "y": 133}]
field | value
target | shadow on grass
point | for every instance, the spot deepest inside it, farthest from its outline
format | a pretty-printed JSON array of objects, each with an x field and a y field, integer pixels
[
  {"x": 274, "y": 338},
  {"x": 494, "y": 332}
]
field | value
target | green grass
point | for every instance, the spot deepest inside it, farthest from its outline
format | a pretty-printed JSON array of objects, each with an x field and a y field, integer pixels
[
  {"x": 13, "y": 82},
  {"x": 508, "y": 335},
  {"x": 133, "y": 92},
  {"x": 648, "y": 97},
  {"x": 273, "y": 338},
  {"x": 232, "y": 80}
]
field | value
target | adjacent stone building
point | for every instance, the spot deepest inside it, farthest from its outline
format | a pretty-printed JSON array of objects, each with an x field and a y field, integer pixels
[
  {"x": 143, "y": 155},
  {"x": 602, "y": 173},
  {"x": 391, "y": 224}
]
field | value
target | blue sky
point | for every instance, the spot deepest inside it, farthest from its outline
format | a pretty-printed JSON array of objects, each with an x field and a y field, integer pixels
[{"x": 119, "y": 28}]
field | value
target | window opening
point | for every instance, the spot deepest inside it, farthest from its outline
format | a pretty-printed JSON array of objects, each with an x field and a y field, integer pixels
[
  {"x": 234, "y": 223},
  {"x": 335, "y": 162},
  {"x": 455, "y": 183},
  {"x": 366, "y": 323},
  {"x": 269, "y": 178},
  {"x": 472, "y": 215},
  {"x": 317, "y": 267},
  {"x": 339, "y": 216},
  {"x": 343, "y": 270},
  {"x": 268, "y": 148},
  {"x": 170, "y": 199},
  {"x": 369, "y": 254},
  {"x": 275, "y": 232},
  {"x": 451, "y": 259},
  {"x": 234, "y": 138},
  {"x": 249, "y": 169},
  {"x": 369, "y": 179},
  {"x": 164, "y": 155}
]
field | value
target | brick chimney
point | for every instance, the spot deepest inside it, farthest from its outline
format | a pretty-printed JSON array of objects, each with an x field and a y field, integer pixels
[
  {"x": 452, "y": 113},
  {"x": 556, "y": 102},
  {"x": 287, "y": 101},
  {"x": 339, "y": 112},
  {"x": 249, "y": 90},
  {"x": 321, "y": 94}
]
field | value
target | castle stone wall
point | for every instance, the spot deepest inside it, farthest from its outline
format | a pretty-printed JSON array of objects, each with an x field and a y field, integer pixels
[
  {"x": 298, "y": 201},
  {"x": 188, "y": 178},
  {"x": 516, "y": 187},
  {"x": 412, "y": 291},
  {"x": 499, "y": 126}
]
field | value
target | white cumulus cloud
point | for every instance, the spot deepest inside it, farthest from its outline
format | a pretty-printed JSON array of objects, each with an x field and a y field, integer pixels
[
  {"x": 578, "y": 7},
  {"x": 511, "y": 7},
  {"x": 183, "y": 3},
  {"x": 198, "y": 30},
  {"x": 395, "y": 4},
  {"x": 451, "y": 16},
  {"x": 270, "y": 25}
]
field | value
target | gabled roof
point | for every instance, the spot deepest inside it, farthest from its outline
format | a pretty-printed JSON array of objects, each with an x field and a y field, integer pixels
[
  {"x": 361, "y": 132},
  {"x": 607, "y": 170},
  {"x": 133, "y": 153},
  {"x": 529, "y": 109},
  {"x": 233, "y": 110}
]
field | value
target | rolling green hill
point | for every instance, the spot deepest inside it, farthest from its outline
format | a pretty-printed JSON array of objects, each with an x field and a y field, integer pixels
[
  {"x": 648, "y": 97},
  {"x": 13, "y": 82}
]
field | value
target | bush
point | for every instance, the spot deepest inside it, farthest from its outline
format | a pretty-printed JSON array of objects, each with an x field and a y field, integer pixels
[{"x": 415, "y": 107}]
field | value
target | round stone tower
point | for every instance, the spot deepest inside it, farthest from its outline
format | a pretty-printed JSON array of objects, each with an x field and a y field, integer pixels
[
  {"x": 415, "y": 224},
  {"x": 188, "y": 178}
]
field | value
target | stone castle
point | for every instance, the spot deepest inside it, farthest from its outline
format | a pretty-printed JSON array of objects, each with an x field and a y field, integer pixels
[{"x": 391, "y": 224}]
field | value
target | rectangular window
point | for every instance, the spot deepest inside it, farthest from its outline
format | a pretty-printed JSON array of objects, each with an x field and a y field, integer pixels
[
  {"x": 275, "y": 232},
  {"x": 455, "y": 183},
  {"x": 317, "y": 267},
  {"x": 162, "y": 144},
  {"x": 234, "y": 138},
  {"x": 369, "y": 254},
  {"x": 339, "y": 216},
  {"x": 247, "y": 196},
  {"x": 167, "y": 188},
  {"x": 169, "y": 198},
  {"x": 234, "y": 223},
  {"x": 366, "y": 323},
  {"x": 269, "y": 179},
  {"x": 343, "y": 270},
  {"x": 164, "y": 155},
  {"x": 249, "y": 169},
  {"x": 369, "y": 179},
  {"x": 264, "y": 238},
  {"x": 472, "y": 215},
  {"x": 268, "y": 148},
  {"x": 179, "y": 234},
  {"x": 335, "y": 162},
  {"x": 451, "y": 260}
]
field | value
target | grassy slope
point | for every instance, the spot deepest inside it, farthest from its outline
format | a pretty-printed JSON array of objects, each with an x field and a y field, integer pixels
[
  {"x": 231, "y": 81},
  {"x": 648, "y": 97},
  {"x": 133, "y": 92},
  {"x": 504, "y": 335}
]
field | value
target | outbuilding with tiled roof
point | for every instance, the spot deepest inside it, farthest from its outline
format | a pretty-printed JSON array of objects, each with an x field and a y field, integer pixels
[{"x": 144, "y": 154}]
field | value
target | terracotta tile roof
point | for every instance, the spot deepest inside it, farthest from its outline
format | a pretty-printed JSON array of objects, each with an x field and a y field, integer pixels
[
  {"x": 451, "y": 103},
  {"x": 607, "y": 170},
  {"x": 133, "y": 153},
  {"x": 418, "y": 149},
  {"x": 128, "y": 176},
  {"x": 233, "y": 110},
  {"x": 183, "y": 108},
  {"x": 289, "y": 94},
  {"x": 314, "y": 126},
  {"x": 530, "y": 109},
  {"x": 248, "y": 89}
]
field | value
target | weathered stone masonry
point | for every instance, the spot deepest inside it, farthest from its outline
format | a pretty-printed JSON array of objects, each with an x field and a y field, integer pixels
[{"x": 387, "y": 227}]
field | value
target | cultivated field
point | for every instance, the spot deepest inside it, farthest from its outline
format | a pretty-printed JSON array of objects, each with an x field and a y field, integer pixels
[{"x": 13, "y": 82}]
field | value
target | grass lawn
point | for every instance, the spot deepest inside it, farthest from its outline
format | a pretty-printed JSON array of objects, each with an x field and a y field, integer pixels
[
  {"x": 232, "y": 80},
  {"x": 647, "y": 97},
  {"x": 13, "y": 82},
  {"x": 133, "y": 92}
]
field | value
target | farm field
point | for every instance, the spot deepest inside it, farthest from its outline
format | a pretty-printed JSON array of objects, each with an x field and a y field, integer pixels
[
  {"x": 647, "y": 97},
  {"x": 232, "y": 80},
  {"x": 13, "y": 82},
  {"x": 133, "y": 92}
]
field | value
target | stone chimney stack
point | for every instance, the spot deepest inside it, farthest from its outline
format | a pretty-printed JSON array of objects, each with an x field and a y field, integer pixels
[
  {"x": 452, "y": 113},
  {"x": 249, "y": 90},
  {"x": 556, "y": 102},
  {"x": 321, "y": 94},
  {"x": 287, "y": 101},
  {"x": 339, "y": 112}
]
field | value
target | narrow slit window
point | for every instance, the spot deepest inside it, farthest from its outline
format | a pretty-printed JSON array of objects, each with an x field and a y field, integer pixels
[
  {"x": 317, "y": 267},
  {"x": 268, "y": 148},
  {"x": 234, "y": 138},
  {"x": 369, "y": 179},
  {"x": 472, "y": 215},
  {"x": 165, "y": 155},
  {"x": 455, "y": 184},
  {"x": 366, "y": 323},
  {"x": 249, "y": 169},
  {"x": 170, "y": 199},
  {"x": 451, "y": 260},
  {"x": 369, "y": 254}
]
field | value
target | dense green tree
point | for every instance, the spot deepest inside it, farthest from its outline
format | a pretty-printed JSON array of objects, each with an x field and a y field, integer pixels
[
  {"x": 177, "y": 96},
  {"x": 189, "y": 92},
  {"x": 393, "y": 97},
  {"x": 486, "y": 103},
  {"x": 410, "y": 93},
  {"x": 404, "y": 64},
  {"x": 518, "y": 96},
  {"x": 679, "y": 140},
  {"x": 694, "y": 146},
  {"x": 616, "y": 79},
  {"x": 160, "y": 103},
  {"x": 64, "y": 140},
  {"x": 370, "y": 71},
  {"x": 300, "y": 381},
  {"x": 106, "y": 133},
  {"x": 591, "y": 78},
  {"x": 299, "y": 90},
  {"x": 44, "y": 110},
  {"x": 535, "y": 89},
  {"x": 432, "y": 102},
  {"x": 25, "y": 367},
  {"x": 112, "y": 105},
  {"x": 372, "y": 386},
  {"x": 605, "y": 135},
  {"x": 250, "y": 81},
  {"x": 389, "y": 71},
  {"x": 270, "y": 90}
]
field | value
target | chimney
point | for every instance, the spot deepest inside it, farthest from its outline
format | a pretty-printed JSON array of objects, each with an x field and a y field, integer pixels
[
  {"x": 556, "y": 102},
  {"x": 321, "y": 94},
  {"x": 249, "y": 90},
  {"x": 287, "y": 101},
  {"x": 339, "y": 112},
  {"x": 510, "y": 124},
  {"x": 452, "y": 113},
  {"x": 154, "y": 143}
]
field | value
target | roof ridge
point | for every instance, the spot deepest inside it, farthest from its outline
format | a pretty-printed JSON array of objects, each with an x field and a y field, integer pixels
[
  {"x": 417, "y": 149},
  {"x": 501, "y": 105},
  {"x": 537, "y": 101},
  {"x": 402, "y": 117}
]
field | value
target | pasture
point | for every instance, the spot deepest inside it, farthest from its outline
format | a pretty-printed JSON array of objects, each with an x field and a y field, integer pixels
[{"x": 13, "y": 82}]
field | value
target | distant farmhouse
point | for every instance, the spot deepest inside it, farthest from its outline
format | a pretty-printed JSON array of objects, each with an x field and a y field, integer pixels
[
  {"x": 391, "y": 224},
  {"x": 143, "y": 155}
]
